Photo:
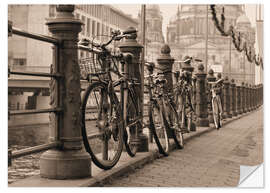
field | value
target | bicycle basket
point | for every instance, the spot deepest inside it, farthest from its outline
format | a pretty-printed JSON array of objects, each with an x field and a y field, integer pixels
[{"x": 89, "y": 66}]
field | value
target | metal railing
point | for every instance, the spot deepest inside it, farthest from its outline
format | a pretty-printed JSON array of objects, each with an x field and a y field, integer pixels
[{"x": 35, "y": 149}]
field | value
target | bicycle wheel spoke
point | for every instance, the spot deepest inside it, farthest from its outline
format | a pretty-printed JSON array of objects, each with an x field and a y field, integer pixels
[{"x": 102, "y": 135}]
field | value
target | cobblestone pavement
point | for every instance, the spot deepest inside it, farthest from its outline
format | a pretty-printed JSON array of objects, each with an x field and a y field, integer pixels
[{"x": 211, "y": 160}]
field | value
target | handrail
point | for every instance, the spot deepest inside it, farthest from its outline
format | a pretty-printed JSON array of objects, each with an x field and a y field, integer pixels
[
  {"x": 25, "y": 112},
  {"x": 42, "y": 74},
  {"x": 35, "y": 36},
  {"x": 31, "y": 150}
]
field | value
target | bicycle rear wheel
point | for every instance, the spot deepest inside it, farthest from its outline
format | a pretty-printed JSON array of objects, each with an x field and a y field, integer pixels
[
  {"x": 102, "y": 129},
  {"x": 216, "y": 113},
  {"x": 177, "y": 131},
  {"x": 157, "y": 125}
]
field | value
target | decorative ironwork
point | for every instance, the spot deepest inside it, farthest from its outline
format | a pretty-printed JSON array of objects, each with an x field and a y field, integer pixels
[{"x": 237, "y": 41}]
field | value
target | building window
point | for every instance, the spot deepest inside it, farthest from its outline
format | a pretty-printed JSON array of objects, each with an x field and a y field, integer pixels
[
  {"x": 98, "y": 29},
  {"x": 83, "y": 26},
  {"x": 93, "y": 28},
  {"x": 88, "y": 27},
  {"x": 103, "y": 29},
  {"x": 82, "y": 54},
  {"x": 52, "y": 10},
  {"x": 19, "y": 61}
]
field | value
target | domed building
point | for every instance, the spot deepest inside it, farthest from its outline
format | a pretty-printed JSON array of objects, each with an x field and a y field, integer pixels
[
  {"x": 186, "y": 35},
  {"x": 154, "y": 38}
]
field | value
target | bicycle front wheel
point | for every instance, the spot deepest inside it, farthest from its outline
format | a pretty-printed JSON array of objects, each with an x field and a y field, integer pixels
[
  {"x": 177, "y": 130},
  {"x": 158, "y": 127},
  {"x": 102, "y": 129},
  {"x": 216, "y": 113},
  {"x": 133, "y": 124}
]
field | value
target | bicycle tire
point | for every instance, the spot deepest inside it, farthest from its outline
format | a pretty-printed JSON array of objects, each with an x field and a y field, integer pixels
[
  {"x": 216, "y": 115},
  {"x": 112, "y": 133},
  {"x": 177, "y": 132},
  {"x": 158, "y": 128},
  {"x": 133, "y": 113}
]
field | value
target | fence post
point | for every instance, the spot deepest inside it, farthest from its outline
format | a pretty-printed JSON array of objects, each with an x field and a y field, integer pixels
[
  {"x": 130, "y": 45},
  {"x": 165, "y": 62},
  {"x": 164, "y": 66},
  {"x": 238, "y": 100},
  {"x": 150, "y": 70},
  {"x": 201, "y": 99},
  {"x": 189, "y": 68},
  {"x": 247, "y": 97},
  {"x": 233, "y": 99},
  {"x": 194, "y": 102},
  {"x": 221, "y": 97},
  {"x": 256, "y": 96},
  {"x": 69, "y": 160},
  {"x": 226, "y": 98},
  {"x": 210, "y": 78},
  {"x": 244, "y": 97},
  {"x": 260, "y": 94},
  {"x": 252, "y": 97}
]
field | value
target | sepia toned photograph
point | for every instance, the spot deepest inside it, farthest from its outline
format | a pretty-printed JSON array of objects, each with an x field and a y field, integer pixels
[{"x": 135, "y": 95}]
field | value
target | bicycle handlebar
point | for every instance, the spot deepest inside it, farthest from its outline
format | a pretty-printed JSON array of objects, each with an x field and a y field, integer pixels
[
  {"x": 216, "y": 82},
  {"x": 116, "y": 36},
  {"x": 191, "y": 59}
]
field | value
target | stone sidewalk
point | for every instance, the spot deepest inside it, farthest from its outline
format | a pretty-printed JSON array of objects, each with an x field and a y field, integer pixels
[
  {"x": 128, "y": 165},
  {"x": 212, "y": 160}
]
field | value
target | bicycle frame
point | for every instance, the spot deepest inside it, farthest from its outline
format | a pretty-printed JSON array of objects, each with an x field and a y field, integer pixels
[{"x": 217, "y": 97}]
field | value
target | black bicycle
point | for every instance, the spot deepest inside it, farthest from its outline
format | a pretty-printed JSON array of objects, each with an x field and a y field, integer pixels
[
  {"x": 163, "y": 117},
  {"x": 110, "y": 114}
]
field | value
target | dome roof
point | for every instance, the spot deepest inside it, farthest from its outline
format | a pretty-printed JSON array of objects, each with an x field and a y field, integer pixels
[{"x": 243, "y": 19}]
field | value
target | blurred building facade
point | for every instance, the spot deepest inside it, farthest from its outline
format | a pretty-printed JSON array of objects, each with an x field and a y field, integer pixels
[
  {"x": 154, "y": 38},
  {"x": 186, "y": 35},
  {"x": 98, "y": 20},
  {"x": 25, "y": 54}
]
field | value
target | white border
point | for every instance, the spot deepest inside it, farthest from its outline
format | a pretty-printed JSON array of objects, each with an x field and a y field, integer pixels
[{"x": 3, "y": 95}]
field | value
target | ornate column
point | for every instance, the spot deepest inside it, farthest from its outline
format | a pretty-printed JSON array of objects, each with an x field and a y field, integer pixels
[
  {"x": 131, "y": 46},
  {"x": 252, "y": 97},
  {"x": 256, "y": 96},
  {"x": 238, "y": 99},
  {"x": 201, "y": 99},
  {"x": 226, "y": 98},
  {"x": 165, "y": 62},
  {"x": 244, "y": 98},
  {"x": 164, "y": 66},
  {"x": 69, "y": 160},
  {"x": 247, "y": 97},
  {"x": 189, "y": 68},
  {"x": 210, "y": 78},
  {"x": 221, "y": 97},
  {"x": 233, "y": 99}
]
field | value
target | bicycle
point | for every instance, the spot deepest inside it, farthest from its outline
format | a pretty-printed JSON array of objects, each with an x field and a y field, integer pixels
[
  {"x": 216, "y": 103},
  {"x": 163, "y": 118},
  {"x": 183, "y": 92},
  {"x": 107, "y": 121}
]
